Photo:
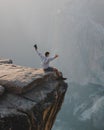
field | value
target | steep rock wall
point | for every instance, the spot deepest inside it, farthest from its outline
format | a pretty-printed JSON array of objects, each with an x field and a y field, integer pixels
[{"x": 31, "y": 99}]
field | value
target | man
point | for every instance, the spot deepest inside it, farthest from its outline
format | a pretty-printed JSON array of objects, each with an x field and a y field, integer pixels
[{"x": 45, "y": 59}]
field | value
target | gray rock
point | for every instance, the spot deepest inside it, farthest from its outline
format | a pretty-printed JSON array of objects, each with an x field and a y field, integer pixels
[
  {"x": 2, "y": 89},
  {"x": 5, "y": 61},
  {"x": 32, "y": 98},
  {"x": 21, "y": 79}
]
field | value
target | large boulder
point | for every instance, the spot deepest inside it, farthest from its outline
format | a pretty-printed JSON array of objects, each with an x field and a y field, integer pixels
[
  {"x": 20, "y": 79},
  {"x": 32, "y": 98}
]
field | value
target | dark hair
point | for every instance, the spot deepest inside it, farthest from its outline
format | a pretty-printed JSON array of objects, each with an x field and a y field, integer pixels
[{"x": 47, "y": 53}]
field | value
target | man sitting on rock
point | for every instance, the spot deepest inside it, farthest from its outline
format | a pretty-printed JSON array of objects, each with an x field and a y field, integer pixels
[{"x": 46, "y": 60}]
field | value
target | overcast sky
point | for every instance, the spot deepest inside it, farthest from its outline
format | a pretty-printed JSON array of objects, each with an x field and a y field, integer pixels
[{"x": 24, "y": 21}]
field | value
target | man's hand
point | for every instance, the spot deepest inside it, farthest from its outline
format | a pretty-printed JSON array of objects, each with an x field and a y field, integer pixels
[
  {"x": 35, "y": 46},
  {"x": 56, "y": 56}
]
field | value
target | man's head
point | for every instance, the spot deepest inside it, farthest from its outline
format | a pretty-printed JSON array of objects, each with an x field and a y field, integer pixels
[{"x": 47, "y": 54}]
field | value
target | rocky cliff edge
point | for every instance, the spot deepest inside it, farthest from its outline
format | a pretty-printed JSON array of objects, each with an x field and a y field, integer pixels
[{"x": 29, "y": 98}]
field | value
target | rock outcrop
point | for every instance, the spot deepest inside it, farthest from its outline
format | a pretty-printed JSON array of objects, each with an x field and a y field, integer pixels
[
  {"x": 5, "y": 61},
  {"x": 31, "y": 100}
]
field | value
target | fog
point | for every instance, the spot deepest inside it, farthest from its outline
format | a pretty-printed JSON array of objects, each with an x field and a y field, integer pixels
[
  {"x": 23, "y": 22},
  {"x": 74, "y": 29}
]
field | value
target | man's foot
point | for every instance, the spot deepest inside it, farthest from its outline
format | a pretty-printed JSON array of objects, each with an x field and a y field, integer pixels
[
  {"x": 61, "y": 78},
  {"x": 64, "y": 78}
]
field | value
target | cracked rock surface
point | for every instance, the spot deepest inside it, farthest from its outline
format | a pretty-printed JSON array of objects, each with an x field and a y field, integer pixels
[
  {"x": 31, "y": 100},
  {"x": 2, "y": 89}
]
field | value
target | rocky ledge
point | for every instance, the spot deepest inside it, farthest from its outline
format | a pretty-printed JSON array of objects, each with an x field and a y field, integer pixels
[{"x": 29, "y": 98}]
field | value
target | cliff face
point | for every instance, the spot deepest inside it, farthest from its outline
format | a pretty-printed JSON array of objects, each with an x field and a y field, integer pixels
[{"x": 31, "y": 99}]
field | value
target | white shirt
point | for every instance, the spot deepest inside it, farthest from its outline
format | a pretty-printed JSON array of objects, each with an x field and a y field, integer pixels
[{"x": 45, "y": 60}]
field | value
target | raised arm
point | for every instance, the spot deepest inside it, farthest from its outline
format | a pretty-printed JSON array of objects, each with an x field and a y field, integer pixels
[
  {"x": 39, "y": 54},
  {"x": 52, "y": 58}
]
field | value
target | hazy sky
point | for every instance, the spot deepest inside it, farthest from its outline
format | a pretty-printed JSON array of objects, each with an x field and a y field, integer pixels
[
  {"x": 24, "y": 21},
  {"x": 27, "y": 18}
]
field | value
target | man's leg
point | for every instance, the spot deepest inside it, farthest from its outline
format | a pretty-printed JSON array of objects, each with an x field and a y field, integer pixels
[{"x": 57, "y": 72}]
